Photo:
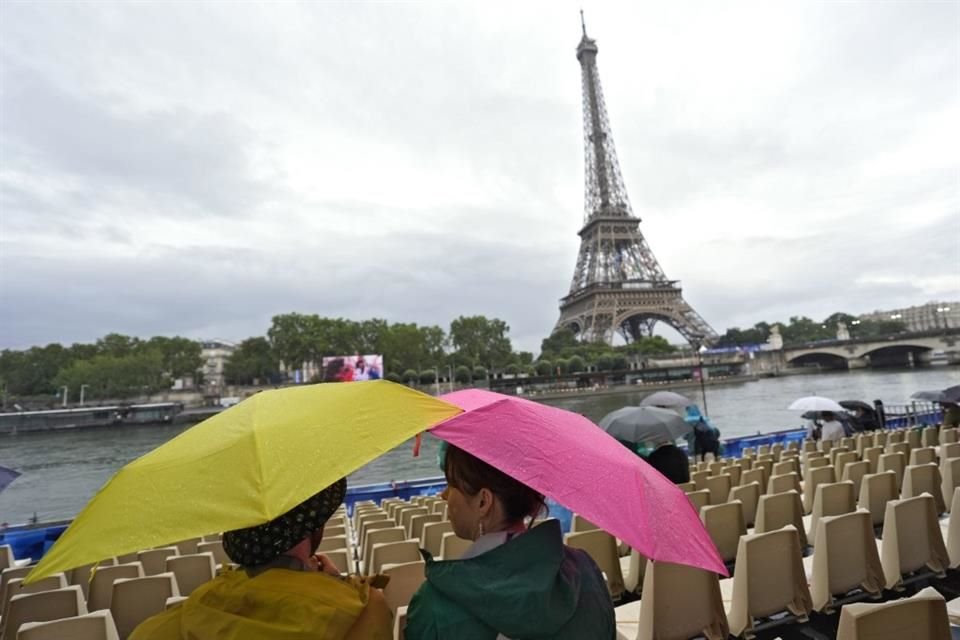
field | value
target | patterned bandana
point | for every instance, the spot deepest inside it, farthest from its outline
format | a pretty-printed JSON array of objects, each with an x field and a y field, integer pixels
[{"x": 260, "y": 544}]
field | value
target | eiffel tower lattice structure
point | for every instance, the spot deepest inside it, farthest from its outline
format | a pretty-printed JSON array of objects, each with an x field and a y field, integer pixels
[{"x": 618, "y": 285}]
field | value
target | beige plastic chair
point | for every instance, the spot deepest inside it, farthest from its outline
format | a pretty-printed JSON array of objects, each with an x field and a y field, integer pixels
[
  {"x": 809, "y": 446},
  {"x": 914, "y": 439},
  {"x": 924, "y": 478},
  {"x": 699, "y": 478},
  {"x": 784, "y": 482},
  {"x": 332, "y": 543},
  {"x": 953, "y": 530},
  {"x": 372, "y": 515},
  {"x": 385, "y": 553},
  {"x": 766, "y": 466},
  {"x": 632, "y": 568},
  {"x": 16, "y": 587},
  {"x": 725, "y": 524},
  {"x": 699, "y": 499},
  {"x": 719, "y": 488},
  {"x": 872, "y": 455},
  {"x": 734, "y": 471},
  {"x": 678, "y": 602},
  {"x": 816, "y": 463},
  {"x": 845, "y": 559},
  {"x": 417, "y": 523},
  {"x": 921, "y": 616},
  {"x": 334, "y": 532},
  {"x": 949, "y": 479},
  {"x": 81, "y": 575},
  {"x": 408, "y": 514},
  {"x": 216, "y": 548},
  {"x": 7, "y": 560},
  {"x": 896, "y": 462},
  {"x": 188, "y": 547},
  {"x": 912, "y": 542},
  {"x": 768, "y": 580},
  {"x": 832, "y": 499},
  {"x": 899, "y": 447},
  {"x": 453, "y": 546},
  {"x": 405, "y": 579},
  {"x": 602, "y": 547},
  {"x": 379, "y": 536},
  {"x": 686, "y": 487},
  {"x": 154, "y": 561},
  {"x": 950, "y": 450},
  {"x": 780, "y": 510},
  {"x": 930, "y": 437},
  {"x": 98, "y": 625},
  {"x": 814, "y": 477},
  {"x": 191, "y": 571},
  {"x": 876, "y": 490},
  {"x": 854, "y": 472},
  {"x": 579, "y": 523},
  {"x": 136, "y": 599},
  {"x": 6, "y": 576},
  {"x": 787, "y": 466},
  {"x": 400, "y": 624},
  {"x": 101, "y": 585},
  {"x": 41, "y": 607},
  {"x": 842, "y": 460},
  {"x": 749, "y": 497},
  {"x": 923, "y": 455},
  {"x": 368, "y": 528},
  {"x": 341, "y": 559},
  {"x": 433, "y": 536},
  {"x": 949, "y": 436},
  {"x": 753, "y": 475},
  {"x": 212, "y": 537}
]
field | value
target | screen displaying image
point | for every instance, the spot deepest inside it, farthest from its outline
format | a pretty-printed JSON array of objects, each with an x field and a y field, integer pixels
[{"x": 352, "y": 368}]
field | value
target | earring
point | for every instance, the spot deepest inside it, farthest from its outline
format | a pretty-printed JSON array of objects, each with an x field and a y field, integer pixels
[{"x": 481, "y": 529}]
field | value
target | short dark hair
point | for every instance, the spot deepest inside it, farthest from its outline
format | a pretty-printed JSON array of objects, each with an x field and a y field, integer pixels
[{"x": 469, "y": 474}]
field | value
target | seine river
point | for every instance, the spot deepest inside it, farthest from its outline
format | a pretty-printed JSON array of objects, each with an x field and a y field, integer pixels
[{"x": 62, "y": 470}]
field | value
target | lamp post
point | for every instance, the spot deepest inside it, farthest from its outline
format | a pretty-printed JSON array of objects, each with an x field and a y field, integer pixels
[
  {"x": 65, "y": 391},
  {"x": 450, "y": 377},
  {"x": 942, "y": 313},
  {"x": 703, "y": 386},
  {"x": 83, "y": 388}
]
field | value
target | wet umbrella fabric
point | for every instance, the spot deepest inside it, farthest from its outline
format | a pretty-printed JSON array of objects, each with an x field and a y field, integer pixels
[
  {"x": 668, "y": 399},
  {"x": 645, "y": 424},
  {"x": 243, "y": 467},
  {"x": 7, "y": 476},
  {"x": 950, "y": 395},
  {"x": 564, "y": 456},
  {"x": 815, "y": 403}
]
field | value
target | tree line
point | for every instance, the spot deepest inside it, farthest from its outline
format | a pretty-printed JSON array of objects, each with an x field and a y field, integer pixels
[{"x": 801, "y": 329}]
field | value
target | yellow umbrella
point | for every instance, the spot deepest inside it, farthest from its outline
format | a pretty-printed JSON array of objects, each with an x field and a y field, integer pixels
[{"x": 245, "y": 466}]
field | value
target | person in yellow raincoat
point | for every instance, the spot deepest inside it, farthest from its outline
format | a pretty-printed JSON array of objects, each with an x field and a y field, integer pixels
[{"x": 282, "y": 591}]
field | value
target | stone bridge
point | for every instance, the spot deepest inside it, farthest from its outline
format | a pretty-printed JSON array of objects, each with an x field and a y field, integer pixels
[{"x": 904, "y": 349}]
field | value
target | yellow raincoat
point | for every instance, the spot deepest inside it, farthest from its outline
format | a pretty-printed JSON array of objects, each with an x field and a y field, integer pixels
[{"x": 278, "y": 604}]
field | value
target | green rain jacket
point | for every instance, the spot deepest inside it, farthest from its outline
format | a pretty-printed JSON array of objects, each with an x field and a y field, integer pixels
[{"x": 529, "y": 588}]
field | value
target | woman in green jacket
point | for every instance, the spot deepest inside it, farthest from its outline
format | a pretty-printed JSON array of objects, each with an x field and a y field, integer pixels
[{"x": 515, "y": 582}]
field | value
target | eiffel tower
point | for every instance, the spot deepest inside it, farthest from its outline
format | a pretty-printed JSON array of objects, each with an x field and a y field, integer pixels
[{"x": 618, "y": 285}]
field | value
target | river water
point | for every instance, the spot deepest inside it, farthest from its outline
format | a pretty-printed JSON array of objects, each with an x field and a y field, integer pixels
[{"x": 62, "y": 470}]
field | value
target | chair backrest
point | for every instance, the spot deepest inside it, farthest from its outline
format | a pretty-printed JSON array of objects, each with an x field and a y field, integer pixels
[
  {"x": 188, "y": 547},
  {"x": 369, "y": 526},
  {"x": 16, "y": 587},
  {"x": 216, "y": 548},
  {"x": 393, "y": 553},
  {"x": 778, "y": 510},
  {"x": 602, "y": 547},
  {"x": 950, "y": 449},
  {"x": 101, "y": 585},
  {"x": 719, "y": 488},
  {"x": 896, "y": 462},
  {"x": 341, "y": 559},
  {"x": 154, "y": 561},
  {"x": 921, "y": 616},
  {"x": 329, "y": 543},
  {"x": 923, "y": 455},
  {"x": 911, "y": 540},
  {"x": 433, "y": 536},
  {"x": 787, "y": 466},
  {"x": 405, "y": 579},
  {"x": 914, "y": 439},
  {"x": 809, "y": 446},
  {"x": 949, "y": 436},
  {"x": 379, "y": 536},
  {"x": 876, "y": 490},
  {"x": 753, "y": 475},
  {"x": 191, "y": 571},
  {"x": 334, "y": 531},
  {"x": 8, "y": 574},
  {"x": 784, "y": 482},
  {"x": 854, "y": 472},
  {"x": 417, "y": 523},
  {"x": 681, "y": 602},
  {"x": 6, "y": 556},
  {"x": 930, "y": 437},
  {"x": 408, "y": 514},
  {"x": 41, "y": 607},
  {"x": 699, "y": 499},
  {"x": 814, "y": 477},
  {"x": 816, "y": 463},
  {"x": 872, "y": 455},
  {"x": 369, "y": 515},
  {"x": 636, "y": 566},
  {"x": 725, "y": 524},
  {"x": 923, "y": 478},
  {"x": 949, "y": 480},
  {"x": 579, "y": 523},
  {"x": 768, "y": 579},
  {"x": 749, "y": 497},
  {"x": 136, "y": 599},
  {"x": 453, "y": 546},
  {"x": 686, "y": 487},
  {"x": 953, "y": 530},
  {"x": 832, "y": 499},
  {"x": 699, "y": 478},
  {"x": 734, "y": 471},
  {"x": 98, "y": 625},
  {"x": 845, "y": 558},
  {"x": 842, "y": 460}
]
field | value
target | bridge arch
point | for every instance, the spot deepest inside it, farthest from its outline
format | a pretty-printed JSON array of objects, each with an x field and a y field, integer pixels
[{"x": 826, "y": 359}]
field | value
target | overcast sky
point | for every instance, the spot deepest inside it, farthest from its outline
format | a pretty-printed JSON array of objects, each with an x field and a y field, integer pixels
[{"x": 196, "y": 168}]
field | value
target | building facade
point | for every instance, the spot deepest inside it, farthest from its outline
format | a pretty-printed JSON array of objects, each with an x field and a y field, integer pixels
[
  {"x": 927, "y": 317},
  {"x": 215, "y": 354}
]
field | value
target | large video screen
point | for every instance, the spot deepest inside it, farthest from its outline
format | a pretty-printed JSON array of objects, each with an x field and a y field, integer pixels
[{"x": 352, "y": 368}]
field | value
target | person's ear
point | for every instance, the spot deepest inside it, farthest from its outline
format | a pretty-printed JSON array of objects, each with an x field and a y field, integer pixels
[{"x": 486, "y": 501}]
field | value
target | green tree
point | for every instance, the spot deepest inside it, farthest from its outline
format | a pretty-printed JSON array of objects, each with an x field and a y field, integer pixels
[
  {"x": 410, "y": 376},
  {"x": 562, "y": 338},
  {"x": 115, "y": 344},
  {"x": 544, "y": 367},
  {"x": 619, "y": 362},
  {"x": 481, "y": 340},
  {"x": 393, "y": 377},
  {"x": 563, "y": 364},
  {"x": 291, "y": 336},
  {"x": 479, "y": 373},
  {"x": 181, "y": 356},
  {"x": 462, "y": 374},
  {"x": 428, "y": 376},
  {"x": 511, "y": 369},
  {"x": 109, "y": 376},
  {"x": 576, "y": 364},
  {"x": 252, "y": 362},
  {"x": 604, "y": 362}
]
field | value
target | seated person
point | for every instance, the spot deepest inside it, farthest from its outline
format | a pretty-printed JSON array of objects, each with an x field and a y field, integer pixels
[
  {"x": 514, "y": 581},
  {"x": 671, "y": 462},
  {"x": 282, "y": 590}
]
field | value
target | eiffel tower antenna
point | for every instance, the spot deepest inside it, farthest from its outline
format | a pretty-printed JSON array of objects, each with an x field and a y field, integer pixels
[{"x": 618, "y": 285}]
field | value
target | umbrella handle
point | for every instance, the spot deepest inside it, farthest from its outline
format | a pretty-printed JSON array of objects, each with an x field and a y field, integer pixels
[{"x": 416, "y": 445}]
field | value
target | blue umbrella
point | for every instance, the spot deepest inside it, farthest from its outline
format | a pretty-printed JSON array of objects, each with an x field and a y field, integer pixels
[{"x": 7, "y": 476}]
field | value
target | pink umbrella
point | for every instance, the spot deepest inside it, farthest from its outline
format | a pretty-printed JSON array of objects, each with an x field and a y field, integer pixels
[{"x": 568, "y": 458}]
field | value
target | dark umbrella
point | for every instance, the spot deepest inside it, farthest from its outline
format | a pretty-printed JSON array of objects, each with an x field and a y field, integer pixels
[
  {"x": 950, "y": 395},
  {"x": 6, "y": 477},
  {"x": 857, "y": 404},
  {"x": 666, "y": 399},
  {"x": 645, "y": 424}
]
